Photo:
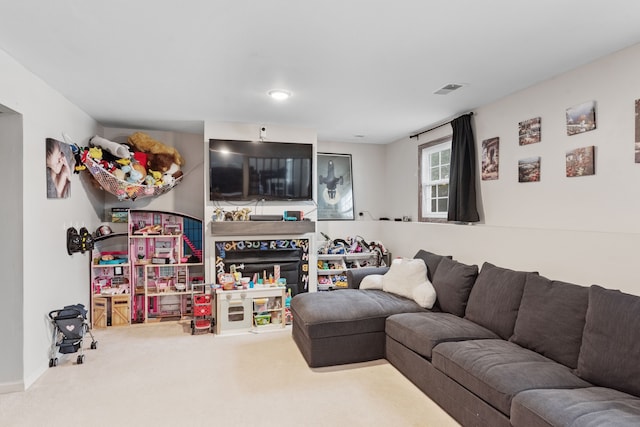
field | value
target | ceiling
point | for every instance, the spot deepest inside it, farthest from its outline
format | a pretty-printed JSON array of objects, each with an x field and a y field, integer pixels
[{"x": 358, "y": 70}]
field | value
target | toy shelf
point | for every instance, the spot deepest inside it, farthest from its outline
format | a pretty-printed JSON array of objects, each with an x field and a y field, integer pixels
[{"x": 332, "y": 268}]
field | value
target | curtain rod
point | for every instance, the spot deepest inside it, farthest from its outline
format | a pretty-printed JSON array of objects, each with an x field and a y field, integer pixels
[{"x": 436, "y": 127}]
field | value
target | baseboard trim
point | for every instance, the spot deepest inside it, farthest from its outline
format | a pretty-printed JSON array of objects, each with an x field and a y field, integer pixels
[
  {"x": 29, "y": 380},
  {"x": 11, "y": 387}
]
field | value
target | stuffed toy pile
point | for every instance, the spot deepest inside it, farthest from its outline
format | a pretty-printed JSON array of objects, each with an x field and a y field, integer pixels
[{"x": 143, "y": 161}]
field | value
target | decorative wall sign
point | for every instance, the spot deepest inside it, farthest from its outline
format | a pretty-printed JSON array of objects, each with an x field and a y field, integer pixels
[
  {"x": 529, "y": 131},
  {"x": 335, "y": 187},
  {"x": 529, "y": 169},
  {"x": 581, "y": 161},
  {"x": 581, "y": 118},
  {"x": 490, "y": 158}
]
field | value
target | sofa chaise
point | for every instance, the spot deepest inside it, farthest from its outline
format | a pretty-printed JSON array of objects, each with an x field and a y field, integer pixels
[{"x": 498, "y": 348}]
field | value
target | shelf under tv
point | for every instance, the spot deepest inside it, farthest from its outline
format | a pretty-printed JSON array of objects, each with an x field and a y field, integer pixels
[{"x": 261, "y": 228}]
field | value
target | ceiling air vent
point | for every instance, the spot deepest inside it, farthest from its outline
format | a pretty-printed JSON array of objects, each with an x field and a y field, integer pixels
[{"x": 447, "y": 89}]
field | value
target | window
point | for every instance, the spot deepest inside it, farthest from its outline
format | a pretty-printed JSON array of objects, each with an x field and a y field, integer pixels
[{"x": 434, "y": 158}]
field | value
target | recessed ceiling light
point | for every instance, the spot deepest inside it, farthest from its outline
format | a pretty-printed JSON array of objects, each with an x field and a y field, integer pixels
[{"x": 279, "y": 94}]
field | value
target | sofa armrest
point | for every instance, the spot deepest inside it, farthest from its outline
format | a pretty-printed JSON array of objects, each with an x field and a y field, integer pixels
[{"x": 355, "y": 276}]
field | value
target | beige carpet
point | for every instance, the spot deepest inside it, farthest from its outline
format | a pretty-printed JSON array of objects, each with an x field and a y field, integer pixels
[{"x": 160, "y": 375}]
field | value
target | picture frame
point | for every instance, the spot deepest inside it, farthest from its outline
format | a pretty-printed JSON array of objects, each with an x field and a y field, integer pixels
[
  {"x": 59, "y": 166},
  {"x": 581, "y": 118},
  {"x": 529, "y": 131},
  {"x": 490, "y": 159},
  {"x": 334, "y": 187},
  {"x": 637, "y": 138},
  {"x": 580, "y": 162},
  {"x": 117, "y": 271},
  {"x": 529, "y": 169}
]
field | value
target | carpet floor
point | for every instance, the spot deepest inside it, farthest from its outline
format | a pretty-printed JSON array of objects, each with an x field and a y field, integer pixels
[{"x": 161, "y": 375}]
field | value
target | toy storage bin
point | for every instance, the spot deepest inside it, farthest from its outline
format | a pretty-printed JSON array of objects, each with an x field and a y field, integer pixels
[
  {"x": 276, "y": 317},
  {"x": 262, "y": 319},
  {"x": 201, "y": 299},
  {"x": 260, "y": 304},
  {"x": 201, "y": 309}
]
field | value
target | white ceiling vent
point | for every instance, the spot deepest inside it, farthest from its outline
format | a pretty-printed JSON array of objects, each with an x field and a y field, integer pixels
[{"x": 447, "y": 89}]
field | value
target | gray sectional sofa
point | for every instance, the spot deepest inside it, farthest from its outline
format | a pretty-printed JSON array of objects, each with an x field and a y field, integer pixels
[{"x": 499, "y": 348}]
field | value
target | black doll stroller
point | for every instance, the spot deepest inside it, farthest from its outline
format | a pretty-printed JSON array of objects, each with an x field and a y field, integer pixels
[{"x": 69, "y": 328}]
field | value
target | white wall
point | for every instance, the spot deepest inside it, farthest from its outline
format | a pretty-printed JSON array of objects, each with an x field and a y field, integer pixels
[
  {"x": 11, "y": 304},
  {"x": 369, "y": 169},
  {"x": 606, "y": 201},
  {"x": 51, "y": 277},
  {"x": 582, "y": 229}
]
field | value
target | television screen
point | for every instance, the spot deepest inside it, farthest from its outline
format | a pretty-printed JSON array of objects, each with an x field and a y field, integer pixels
[{"x": 246, "y": 170}]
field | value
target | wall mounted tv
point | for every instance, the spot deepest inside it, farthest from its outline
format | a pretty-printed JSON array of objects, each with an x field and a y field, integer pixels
[{"x": 246, "y": 170}]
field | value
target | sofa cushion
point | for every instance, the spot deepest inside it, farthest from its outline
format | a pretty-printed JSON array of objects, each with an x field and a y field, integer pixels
[
  {"x": 583, "y": 407},
  {"x": 497, "y": 370},
  {"x": 404, "y": 275},
  {"x": 551, "y": 318},
  {"x": 425, "y": 294},
  {"x": 422, "y": 331},
  {"x": 347, "y": 311},
  {"x": 453, "y": 281},
  {"x": 610, "y": 348},
  {"x": 371, "y": 281},
  {"x": 431, "y": 260},
  {"x": 495, "y": 298}
]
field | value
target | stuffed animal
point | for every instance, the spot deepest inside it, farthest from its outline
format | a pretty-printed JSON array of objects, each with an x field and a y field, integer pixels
[
  {"x": 120, "y": 174},
  {"x": 170, "y": 176},
  {"x": 118, "y": 150},
  {"x": 140, "y": 169},
  {"x": 77, "y": 155},
  {"x": 95, "y": 153},
  {"x": 143, "y": 142},
  {"x": 218, "y": 214},
  {"x": 154, "y": 178},
  {"x": 140, "y": 157},
  {"x": 160, "y": 162},
  {"x": 132, "y": 175}
]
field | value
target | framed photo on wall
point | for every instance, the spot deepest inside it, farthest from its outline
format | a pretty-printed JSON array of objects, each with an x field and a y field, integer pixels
[
  {"x": 490, "y": 158},
  {"x": 637, "y": 145},
  {"x": 529, "y": 131},
  {"x": 581, "y": 161},
  {"x": 335, "y": 187},
  {"x": 581, "y": 118},
  {"x": 59, "y": 164},
  {"x": 529, "y": 169}
]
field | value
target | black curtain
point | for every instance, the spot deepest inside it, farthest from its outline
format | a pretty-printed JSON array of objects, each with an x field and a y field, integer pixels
[{"x": 462, "y": 176}]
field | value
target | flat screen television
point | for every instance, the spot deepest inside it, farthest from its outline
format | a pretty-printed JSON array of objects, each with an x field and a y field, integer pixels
[{"x": 246, "y": 170}]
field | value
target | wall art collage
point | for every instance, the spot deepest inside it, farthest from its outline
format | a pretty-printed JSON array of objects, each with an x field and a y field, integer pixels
[{"x": 580, "y": 118}]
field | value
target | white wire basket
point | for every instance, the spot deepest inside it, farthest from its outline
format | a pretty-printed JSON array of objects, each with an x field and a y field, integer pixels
[{"x": 124, "y": 190}]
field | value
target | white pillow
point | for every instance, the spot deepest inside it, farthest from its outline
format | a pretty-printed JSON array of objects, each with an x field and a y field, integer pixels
[
  {"x": 371, "y": 281},
  {"x": 404, "y": 275},
  {"x": 425, "y": 294}
]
